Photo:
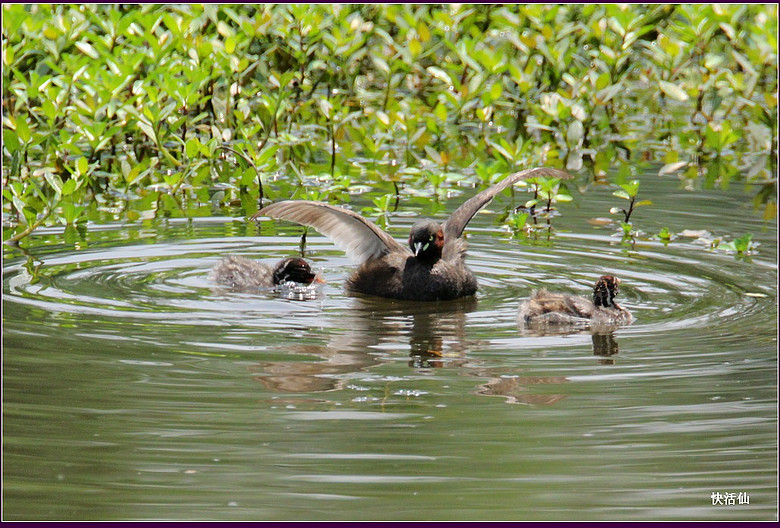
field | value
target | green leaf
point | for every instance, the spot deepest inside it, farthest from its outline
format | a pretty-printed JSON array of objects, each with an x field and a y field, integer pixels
[
  {"x": 325, "y": 107},
  {"x": 8, "y": 55},
  {"x": 192, "y": 147},
  {"x": 673, "y": 91},
  {"x": 643, "y": 202},
  {"x": 440, "y": 74},
  {"x": 266, "y": 154},
  {"x": 415, "y": 48},
  {"x": 423, "y": 31},
  {"x": 602, "y": 81},
  {"x": 230, "y": 45},
  {"x": 10, "y": 140},
  {"x": 248, "y": 177},
  {"x": 517, "y": 220},
  {"x": 631, "y": 187},
  {"x": 54, "y": 181},
  {"x": 69, "y": 187},
  {"x": 742, "y": 244},
  {"x": 381, "y": 64},
  {"x": 147, "y": 129},
  {"x": 726, "y": 246},
  {"x": 440, "y": 112},
  {"x": 621, "y": 194},
  {"x": 131, "y": 176},
  {"x": 383, "y": 118},
  {"x": 19, "y": 206},
  {"x": 496, "y": 90},
  {"x": 87, "y": 49},
  {"x": 770, "y": 211},
  {"x": 22, "y": 128},
  {"x": 82, "y": 165}
]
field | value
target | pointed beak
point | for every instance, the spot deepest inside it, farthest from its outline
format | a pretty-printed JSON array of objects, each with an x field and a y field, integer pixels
[{"x": 419, "y": 246}]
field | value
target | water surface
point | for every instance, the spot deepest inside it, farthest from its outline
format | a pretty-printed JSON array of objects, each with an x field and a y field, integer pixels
[{"x": 135, "y": 388}]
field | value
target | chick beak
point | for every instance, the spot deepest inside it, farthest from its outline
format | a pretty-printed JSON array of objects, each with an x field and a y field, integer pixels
[{"x": 419, "y": 246}]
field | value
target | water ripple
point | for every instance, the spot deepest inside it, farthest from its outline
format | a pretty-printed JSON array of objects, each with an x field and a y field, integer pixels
[{"x": 672, "y": 288}]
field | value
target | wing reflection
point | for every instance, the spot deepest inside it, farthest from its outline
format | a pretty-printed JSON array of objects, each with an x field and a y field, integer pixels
[{"x": 433, "y": 335}]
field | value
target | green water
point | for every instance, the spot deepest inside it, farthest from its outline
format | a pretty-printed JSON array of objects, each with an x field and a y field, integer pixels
[{"x": 133, "y": 388}]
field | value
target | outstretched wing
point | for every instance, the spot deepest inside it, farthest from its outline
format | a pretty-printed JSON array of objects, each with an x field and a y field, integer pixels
[
  {"x": 360, "y": 239},
  {"x": 456, "y": 223}
]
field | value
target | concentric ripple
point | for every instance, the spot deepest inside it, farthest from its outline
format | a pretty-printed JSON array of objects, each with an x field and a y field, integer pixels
[
  {"x": 127, "y": 370},
  {"x": 677, "y": 287}
]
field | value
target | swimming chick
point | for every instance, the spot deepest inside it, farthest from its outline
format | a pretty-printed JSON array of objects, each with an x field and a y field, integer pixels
[
  {"x": 242, "y": 273},
  {"x": 432, "y": 267},
  {"x": 544, "y": 307}
]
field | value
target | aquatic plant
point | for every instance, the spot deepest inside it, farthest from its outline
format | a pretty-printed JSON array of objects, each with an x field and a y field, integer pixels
[
  {"x": 628, "y": 191},
  {"x": 117, "y": 113}
]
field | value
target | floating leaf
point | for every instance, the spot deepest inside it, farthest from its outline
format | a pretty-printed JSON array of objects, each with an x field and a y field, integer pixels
[{"x": 742, "y": 244}]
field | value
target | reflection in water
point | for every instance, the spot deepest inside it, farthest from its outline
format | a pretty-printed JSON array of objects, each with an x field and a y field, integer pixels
[
  {"x": 516, "y": 389},
  {"x": 370, "y": 323},
  {"x": 605, "y": 345},
  {"x": 603, "y": 336},
  {"x": 321, "y": 375},
  {"x": 437, "y": 338},
  {"x": 123, "y": 371}
]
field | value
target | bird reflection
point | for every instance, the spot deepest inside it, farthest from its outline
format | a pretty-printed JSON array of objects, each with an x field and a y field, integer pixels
[
  {"x": 436, "y": 337},
  {"x": 517, "y": 389},
  {"x": 605, "y": 345},
  {"x": 602, "y": 336},
  {"x": 302, "y": 376}
]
